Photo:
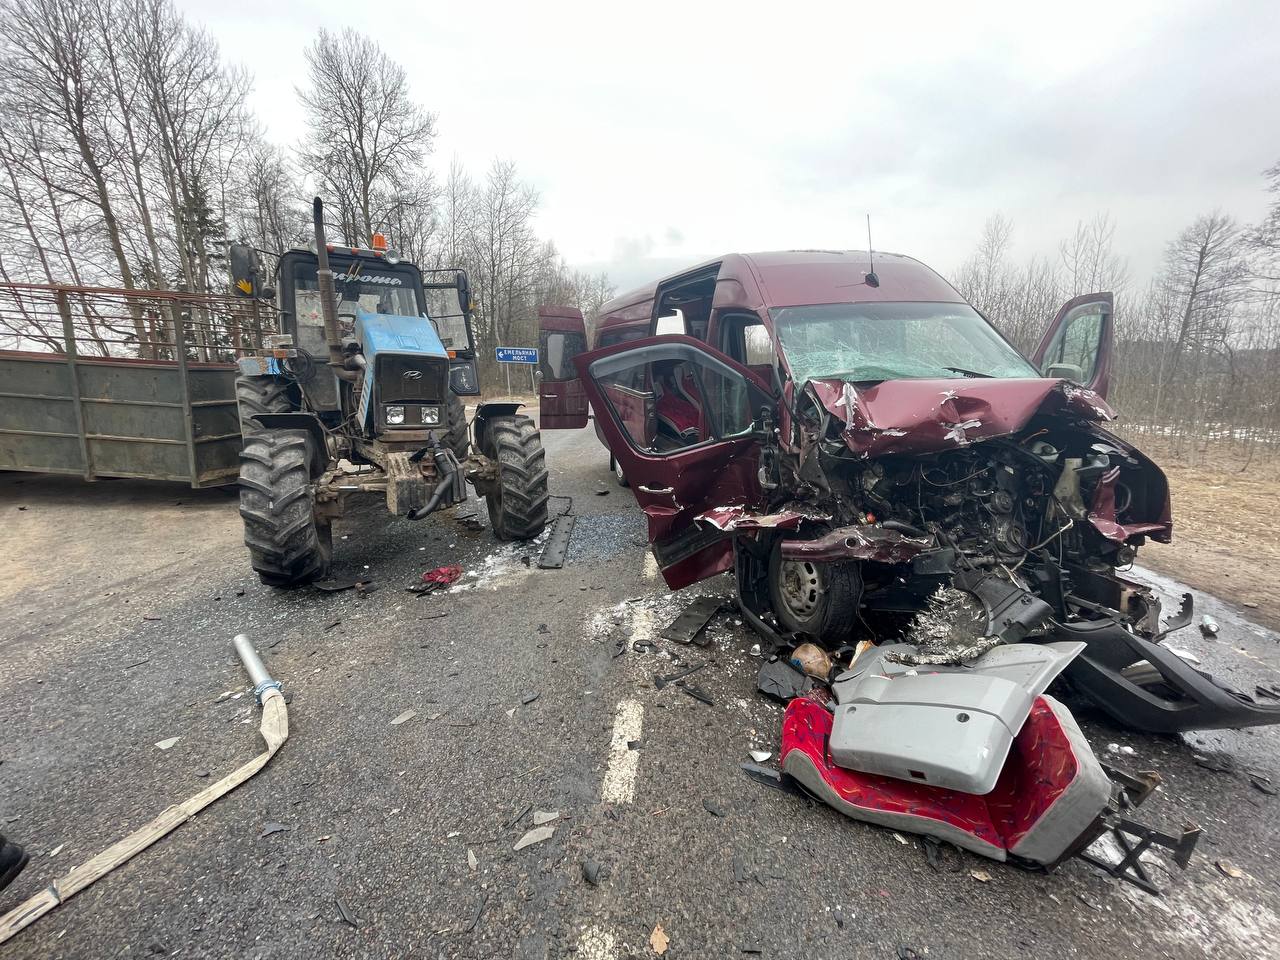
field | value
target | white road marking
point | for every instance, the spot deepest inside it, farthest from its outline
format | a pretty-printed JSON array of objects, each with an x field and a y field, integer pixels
[
  {"x": 619, "y": 784},
  {"x": 650, "y": 566}
]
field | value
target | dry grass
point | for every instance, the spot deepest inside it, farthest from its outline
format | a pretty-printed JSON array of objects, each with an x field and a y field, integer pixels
[{"x": 1226, "y": 525}]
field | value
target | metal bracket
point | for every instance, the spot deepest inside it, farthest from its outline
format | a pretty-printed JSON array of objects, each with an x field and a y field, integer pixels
[{"x": 1130, "y": 868}]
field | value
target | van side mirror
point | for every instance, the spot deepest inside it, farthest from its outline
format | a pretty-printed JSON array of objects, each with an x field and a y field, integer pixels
[{"x": 1064, "y": 371}]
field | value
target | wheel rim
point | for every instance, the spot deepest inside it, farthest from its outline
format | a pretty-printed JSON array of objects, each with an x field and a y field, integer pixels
[{"x": 800, "y": 587}]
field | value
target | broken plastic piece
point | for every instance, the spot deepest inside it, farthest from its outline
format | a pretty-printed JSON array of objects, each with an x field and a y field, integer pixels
[
  {"x": 781, "y": 681},
  {"x": 536, "y": 835},
  {"x": 1049, "y": 794},
  {"x": 687, "y": 628}
]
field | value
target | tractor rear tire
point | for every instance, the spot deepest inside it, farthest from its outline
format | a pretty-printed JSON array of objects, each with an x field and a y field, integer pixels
[
  {"x": 456, "y": 438},
  {"x": 255, "y": 395},
  {"x": 518, "y": 499},
  {"x": 288, "y": 544}
]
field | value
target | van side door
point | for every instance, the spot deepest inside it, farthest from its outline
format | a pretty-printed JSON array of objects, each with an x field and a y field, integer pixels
[{"x": 562, "y": 336}]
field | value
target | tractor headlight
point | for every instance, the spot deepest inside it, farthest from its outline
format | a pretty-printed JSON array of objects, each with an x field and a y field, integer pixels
[
  {"x": 395, "y": 415},
  {"x": 431, "y": 415}
]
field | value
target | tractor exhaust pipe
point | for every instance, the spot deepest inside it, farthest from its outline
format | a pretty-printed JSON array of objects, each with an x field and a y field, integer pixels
[{"x": 328, "y": 296}]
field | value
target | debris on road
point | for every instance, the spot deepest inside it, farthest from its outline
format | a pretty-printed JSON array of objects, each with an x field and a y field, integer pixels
[
  {"x": 1209, "y": 626},
  {"x": 713, "y": 808},
  {"x": 436, "y": 579},
  {"x": 1261, "y": 783},
  {"x": 336, "y": 586},
  {"x": 1230, "y": 870},
  {"x": 985, "y": 738},
  {"x": 167, "y": 743},
  {"x": 660, "y": 682},
  {"x": 594, "y": 872},
  {"x": 659, "y": 940},
  {"x": 688, "y": 626},
  {"x": 346, "y": 913},
  {"x": 269, "y": 828},
  {"x": 557, "y": 545},
  {"x": 779, "y": 680},
  {"x": 980, "y": 875},
  {"x": 813, "y": 661},
  {"x": 524, "y": 812},
  {"x": 759, "y": 756},
  {"x": 696, "y": 692},
  {"x": 528, "y": 697},
  {"x": 536, "y": 835},
  {"x": 472, "y": 862},
  {"x": 407, "y": 715},
  {"x": 543, "y": 816}
]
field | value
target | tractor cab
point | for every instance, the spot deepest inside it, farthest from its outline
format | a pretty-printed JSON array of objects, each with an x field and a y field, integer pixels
[{"x": 432, "y": 322}]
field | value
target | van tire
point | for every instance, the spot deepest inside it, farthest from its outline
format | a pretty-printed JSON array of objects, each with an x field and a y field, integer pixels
[
  {"x": 819, "y": 600},
  {"x": 517, "y": 499},
  {"x": 288, "y": 544}
]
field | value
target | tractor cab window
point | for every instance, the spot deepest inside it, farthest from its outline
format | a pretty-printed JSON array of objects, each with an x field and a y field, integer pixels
[
  {"x": 372, "y": 287},
  {"x": 445, "y": 309}
]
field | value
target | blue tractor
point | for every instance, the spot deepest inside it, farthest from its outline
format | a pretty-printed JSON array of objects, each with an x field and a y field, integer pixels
[{"x": 361, "y": 392}]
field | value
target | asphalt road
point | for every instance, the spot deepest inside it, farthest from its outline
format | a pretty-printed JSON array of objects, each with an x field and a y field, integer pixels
[{"x": 120, "y": 602}]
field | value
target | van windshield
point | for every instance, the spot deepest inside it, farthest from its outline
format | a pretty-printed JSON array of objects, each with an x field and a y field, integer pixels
[{"x": 894, "y": 341}]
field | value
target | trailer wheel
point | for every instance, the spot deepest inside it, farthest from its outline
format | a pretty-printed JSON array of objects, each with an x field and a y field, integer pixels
[
  {"x": 288, "y": 544},
  {"x": 255, "y": 395},
  {"x": 455, "y": 437},
  {"x": 518, "y": 500},
  {"x": 817, "y": 599}
]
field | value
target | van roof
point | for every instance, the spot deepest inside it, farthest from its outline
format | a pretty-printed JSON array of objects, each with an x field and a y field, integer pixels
[{"x": 788, "y": 278}]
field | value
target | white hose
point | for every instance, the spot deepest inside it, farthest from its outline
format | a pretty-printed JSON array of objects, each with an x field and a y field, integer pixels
[{"x": 274, "y": 730}]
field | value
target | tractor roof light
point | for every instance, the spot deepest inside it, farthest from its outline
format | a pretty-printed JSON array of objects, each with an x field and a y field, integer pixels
[{"x": 379, "y": 242}]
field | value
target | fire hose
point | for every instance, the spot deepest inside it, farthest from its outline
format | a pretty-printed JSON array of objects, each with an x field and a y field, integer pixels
[{"x": 274, "y": 730}]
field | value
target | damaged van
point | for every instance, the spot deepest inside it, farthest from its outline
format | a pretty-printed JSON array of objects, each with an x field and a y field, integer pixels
[{"x": 875, "y": 461}]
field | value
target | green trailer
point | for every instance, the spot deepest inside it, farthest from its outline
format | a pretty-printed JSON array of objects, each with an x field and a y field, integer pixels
[{"x": 123, "y": 383}]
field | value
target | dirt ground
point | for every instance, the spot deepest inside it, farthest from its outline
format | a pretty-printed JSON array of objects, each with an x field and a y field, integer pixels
[{"x": 1226, "y": 530}]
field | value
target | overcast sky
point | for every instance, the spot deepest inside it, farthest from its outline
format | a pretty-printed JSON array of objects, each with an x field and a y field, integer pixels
[{"x": 659, "y": 134}]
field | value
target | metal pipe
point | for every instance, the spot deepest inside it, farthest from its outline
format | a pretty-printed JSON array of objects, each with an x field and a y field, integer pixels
[
  {"x": 254, "y": 666},
  {"x": 328, "y": 309},
  {"x": 443, "y": 484}
]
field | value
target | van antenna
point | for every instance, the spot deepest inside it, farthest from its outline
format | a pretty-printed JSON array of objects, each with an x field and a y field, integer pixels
[{"x": 872, "y": 279}]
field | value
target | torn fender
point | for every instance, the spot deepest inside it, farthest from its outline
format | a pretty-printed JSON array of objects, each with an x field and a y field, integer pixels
[
  {"x": 926, "y": 416},
  {"x": 870, "y": 541},
  {"x": 730, "y": 519}
]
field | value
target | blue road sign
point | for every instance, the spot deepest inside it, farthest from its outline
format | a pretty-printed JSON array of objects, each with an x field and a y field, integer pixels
[{"x": 517, "y": 354}]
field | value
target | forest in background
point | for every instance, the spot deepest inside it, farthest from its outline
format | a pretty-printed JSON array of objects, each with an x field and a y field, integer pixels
[{"x": 128, "y": 158}]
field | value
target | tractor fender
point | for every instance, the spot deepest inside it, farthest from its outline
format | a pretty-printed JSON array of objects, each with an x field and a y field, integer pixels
[
  {"x": 486, "y": 412},
  {"x": 302, "y": 421}
]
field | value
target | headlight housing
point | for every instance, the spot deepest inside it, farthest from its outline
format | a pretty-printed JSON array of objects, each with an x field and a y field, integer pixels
[
  {"x": 394, "y": 414},
  {"x": 431, "y": 415}
]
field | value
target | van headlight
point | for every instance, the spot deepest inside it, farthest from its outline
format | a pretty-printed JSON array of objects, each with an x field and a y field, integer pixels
[
  {"x": 395, "y": 415},
  {"x": 431, "y": 415}
]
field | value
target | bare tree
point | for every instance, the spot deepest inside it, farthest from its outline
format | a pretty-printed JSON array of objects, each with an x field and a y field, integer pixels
[{"x": 367, "y": 136}]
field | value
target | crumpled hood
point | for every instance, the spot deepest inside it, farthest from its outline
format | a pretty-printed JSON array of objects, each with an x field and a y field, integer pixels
[{"x": 925, "y": 416}]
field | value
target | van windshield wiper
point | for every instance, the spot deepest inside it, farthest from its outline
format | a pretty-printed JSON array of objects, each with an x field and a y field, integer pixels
[{"x": 970, "y": 373}]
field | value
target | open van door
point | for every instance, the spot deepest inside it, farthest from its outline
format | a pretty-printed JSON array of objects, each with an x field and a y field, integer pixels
[
  {"x": 1078, "y": 344},
  {"x": 562, "y": 336},
  {"x": 680, "y": 418}
]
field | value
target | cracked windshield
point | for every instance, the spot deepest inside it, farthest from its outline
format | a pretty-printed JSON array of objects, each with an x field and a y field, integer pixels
[{"x": 893, "y": 341}]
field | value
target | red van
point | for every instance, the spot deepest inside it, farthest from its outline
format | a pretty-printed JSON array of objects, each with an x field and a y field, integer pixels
[{"x": 853, "y": 438}]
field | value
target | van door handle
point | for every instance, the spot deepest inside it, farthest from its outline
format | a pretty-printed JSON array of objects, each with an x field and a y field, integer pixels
[{"x": 660, "y": 490}]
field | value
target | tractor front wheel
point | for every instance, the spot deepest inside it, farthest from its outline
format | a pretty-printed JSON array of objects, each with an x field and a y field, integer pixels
[
  {"x": 288, "y": 544},
  {"x": 518, "y": 497},
  {"x": 255, "y": 395},
  {"x": 455, "y": 437}
]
